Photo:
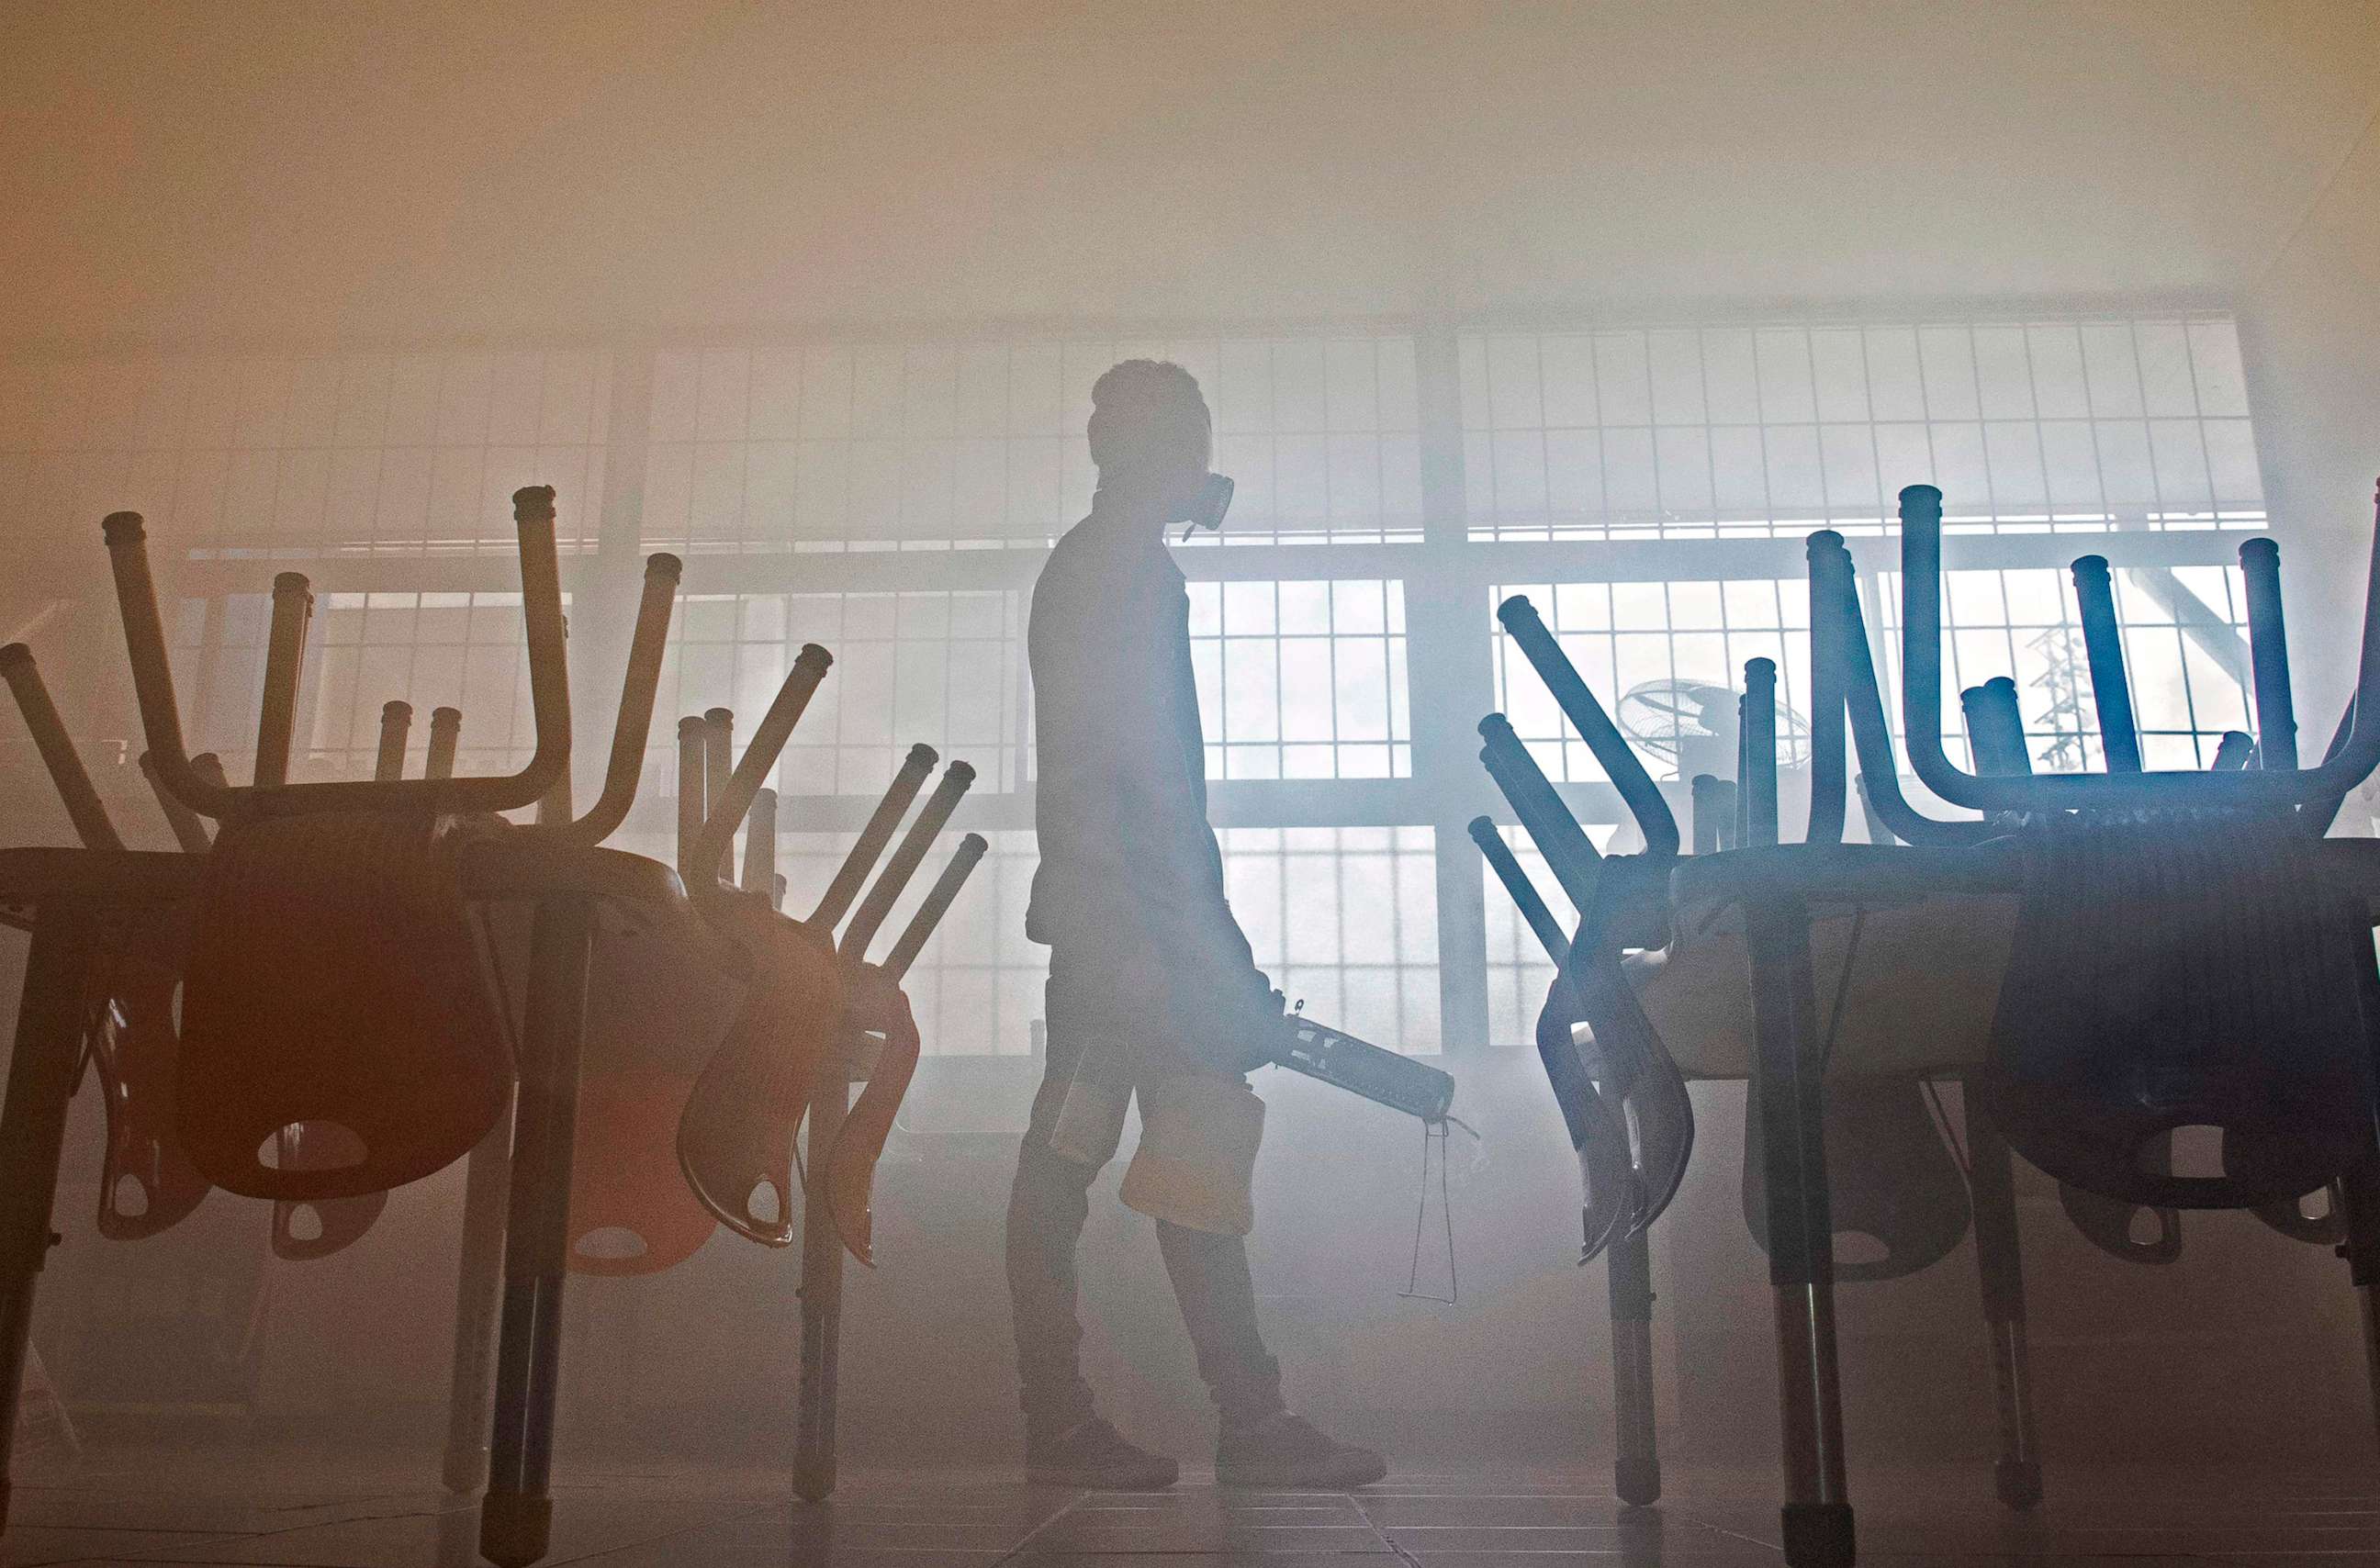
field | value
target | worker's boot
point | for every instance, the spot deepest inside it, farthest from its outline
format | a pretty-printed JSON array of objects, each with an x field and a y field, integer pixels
[
  {"x": 1094, "y": 1457},
  {"x": 1285, "y": 1452}
]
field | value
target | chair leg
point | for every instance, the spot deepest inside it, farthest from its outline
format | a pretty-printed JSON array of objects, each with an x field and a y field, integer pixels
[
  {"x": 1636, "y": 1475},
  {"x": 516, "y": 1516},
  {"x": 2000, "y": 1263},
  {"x": 478, "y": 1298},
  {"x": 42, "y": 1077},
  {"x": 1817, "y": 1513},
  {"x": 2358, "y": 1192},
  {"x": 821, "y": 1296}
]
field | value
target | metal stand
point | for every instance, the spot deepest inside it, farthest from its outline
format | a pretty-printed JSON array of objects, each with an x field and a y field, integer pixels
[
  {"x": 516, "y": 1516},
  {"x": 1817, "y": 1513},
  {"x": 1637, "y": 1473},
  {"x": 479, "y": 1299},
  {"x": 42, "y": 1077},
  {"x": 821, "y": 1294},
  {"x": 2000, "y": 1265},
  {"x": 2359, "y": 1195}
]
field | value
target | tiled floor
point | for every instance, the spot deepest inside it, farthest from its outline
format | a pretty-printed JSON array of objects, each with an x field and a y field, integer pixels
[{"x": 153, "y": 1510}]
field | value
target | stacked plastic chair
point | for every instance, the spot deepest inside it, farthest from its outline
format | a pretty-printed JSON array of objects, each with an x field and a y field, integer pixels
[
  {"x": 147, "y": 1184},
  {"x": 2102, "y": 958},
  {"x": 819, "y": 1018},
  {"x": 1898, "y": 1185},
  {"x": 343, "y": 976},
  {"x": 382, "y": 977}
]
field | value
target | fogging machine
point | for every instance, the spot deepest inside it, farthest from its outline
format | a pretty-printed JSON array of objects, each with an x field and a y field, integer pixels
[{"x": 1360, "y": 1068}]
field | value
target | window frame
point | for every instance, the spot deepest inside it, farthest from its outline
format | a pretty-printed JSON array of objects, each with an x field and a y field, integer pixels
[{"x": 1446, "y": 576}]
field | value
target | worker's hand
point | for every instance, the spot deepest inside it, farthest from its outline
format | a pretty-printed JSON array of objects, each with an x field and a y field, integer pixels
[{"x": 1262, "y": 1025}]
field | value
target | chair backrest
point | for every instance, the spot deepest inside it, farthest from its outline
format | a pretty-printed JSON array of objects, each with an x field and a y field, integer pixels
[
  {"x": 1637, "y": 787},
  {"x": 2276, "y": 785},
  {"x": 152, "y": 679}
]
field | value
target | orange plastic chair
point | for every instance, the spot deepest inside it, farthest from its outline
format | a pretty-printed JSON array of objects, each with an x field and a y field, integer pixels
[
  {"x": 851, "y": 1162},
  {"x": 131, "y": 1040},
  {"x": 817, "y": 1019},
  {"x": 393, "y": 1070},
  {"x": 134, "y": 1044},
  {"x": 538, "y": 904},
  {"x": 302, "y": 1230},
  {"x": 630, "y": 1211}
]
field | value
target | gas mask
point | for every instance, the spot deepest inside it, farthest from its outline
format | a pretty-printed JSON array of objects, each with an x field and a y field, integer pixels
[{"x": 1206, "y": 511}]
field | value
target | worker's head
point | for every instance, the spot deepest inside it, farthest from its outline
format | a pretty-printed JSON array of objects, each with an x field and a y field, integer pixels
[{"x": 1151, "y": 437}]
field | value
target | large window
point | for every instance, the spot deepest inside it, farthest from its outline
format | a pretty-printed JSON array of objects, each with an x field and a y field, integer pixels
[
  {"x": 1302, "y": 680},
  {"x": 958, "y": 443},
  {"x": 458, "y": 649},
  {"x": 1344, "y": 921},
  {"x": 1648, "y": 486},
  {"x": 1518, "y": 966},
  {"x": 1658, "y": 655},
  {"x": 942, "y": 667},
  {"x": 1773, "y": 429},
  {"x": 327, "y": 454},
  {"x": 2185, "y": 658}
]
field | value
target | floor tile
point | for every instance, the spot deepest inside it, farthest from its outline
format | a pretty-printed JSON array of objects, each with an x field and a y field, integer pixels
[
  {"x": 275, "y": 1513},
  {"x": 24, "y": 1545}
]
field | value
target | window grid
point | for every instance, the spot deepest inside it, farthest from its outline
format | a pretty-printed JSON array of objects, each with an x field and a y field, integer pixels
[
  {"x": 1518, "y": 970},
  {"x": 333, "y": 455},
  {"x": 1345, "y": 919},
  {"x": 464, "y": 650},
  {"x": 2024, "y": 622},
  {"x": 1771, "y": 431},
  {"x": 980, "y": 444},
  {"x": 2112, "y": 411},
  {"x": 1630, "y": 639},
  {"x": 1302, "y": 680},
  {"x": 946, "y": 668}
]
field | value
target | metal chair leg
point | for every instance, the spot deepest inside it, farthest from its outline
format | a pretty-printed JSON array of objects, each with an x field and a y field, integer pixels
[
  {"x": 2359, "y": 1195},
  {"x": 42, "y": 1077},
  {"x": 1817, "y": 1513},
  {"x": 822, "y": 1294},
  {"x": 2001, "y": 1264},
  {"x": 1637, "y": 1473},
  {"x": 516, "y": 1516},
  {"x": 478, "y": 1298}
]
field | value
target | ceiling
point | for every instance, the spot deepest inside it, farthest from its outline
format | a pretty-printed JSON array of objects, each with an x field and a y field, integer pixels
[{"x": 251, "y": 170}]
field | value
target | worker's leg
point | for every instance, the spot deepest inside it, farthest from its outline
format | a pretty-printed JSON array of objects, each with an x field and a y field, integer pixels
[
  {"x": 1193, "y": 1173},
  {"x": 1047, "y": 1205},
  {"x": 1218, "y": 1306}
]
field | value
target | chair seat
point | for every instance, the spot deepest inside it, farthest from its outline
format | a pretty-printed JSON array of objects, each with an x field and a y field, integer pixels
[
  {"x": 661, "y": 986},
  {"x": 1935, "y": 929},
  {"x": 1923, "y": 977},
  {"x": 1926, "y": 938},
  {"x": 35, "y": 875}
]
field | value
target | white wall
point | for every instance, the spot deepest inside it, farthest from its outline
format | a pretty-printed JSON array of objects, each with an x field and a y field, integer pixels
[
  {"x": 2311, "y": 333},
  {"x": 192, "y": 166}
]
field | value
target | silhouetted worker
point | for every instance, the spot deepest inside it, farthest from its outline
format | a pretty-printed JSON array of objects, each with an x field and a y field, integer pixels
[{"x": 1153, "y": 991}]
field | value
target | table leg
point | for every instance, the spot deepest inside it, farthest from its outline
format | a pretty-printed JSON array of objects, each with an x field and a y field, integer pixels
[
  {"x": 479, "y": 1299},
  {"x": 42, "y": 1075},
  {"x": 1637, "y": 1473},
  {"x": 2001, "y": 1264},
  {"x": 516, "y": 1516},
  {"x": 821, "y": 1294},
  {"x": 2359, "y": 1194},
  {"x": 1817, "y": 1513}
]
